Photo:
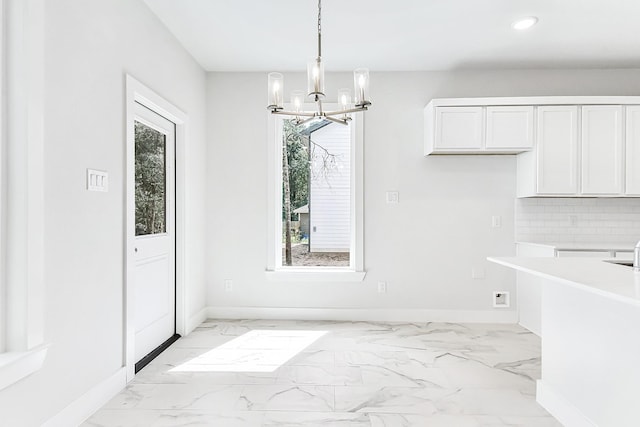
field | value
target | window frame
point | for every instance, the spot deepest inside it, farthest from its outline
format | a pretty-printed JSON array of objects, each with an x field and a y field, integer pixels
[
  {"x": 3, "y": 320},
  {"x": 22, "y": 190},
  {"x": 275, "y": 271}
]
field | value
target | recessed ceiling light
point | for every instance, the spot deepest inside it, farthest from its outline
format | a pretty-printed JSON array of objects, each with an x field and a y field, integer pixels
[{"x": 524, "y": 23}]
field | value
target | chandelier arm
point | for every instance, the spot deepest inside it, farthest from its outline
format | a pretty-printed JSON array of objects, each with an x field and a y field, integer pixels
[
  {"x": 339, "y": 121},
  {"x": 293, "y": 113},
  {"x": 303, "y": 122},
  {"x": 351, "y": 110}
]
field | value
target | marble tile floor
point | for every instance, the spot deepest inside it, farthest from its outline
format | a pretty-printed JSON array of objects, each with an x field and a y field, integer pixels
[{"x": 245, "y": 373}]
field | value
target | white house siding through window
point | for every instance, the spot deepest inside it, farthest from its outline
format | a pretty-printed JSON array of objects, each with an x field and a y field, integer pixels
[{"x": 329, "y": 210}]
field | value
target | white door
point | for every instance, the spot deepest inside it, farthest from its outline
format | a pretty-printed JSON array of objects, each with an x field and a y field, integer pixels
[
  {"x": 602, "y": 158},
  {"x": 154, "y": 258},
  {"x": 557, "y": 150}
]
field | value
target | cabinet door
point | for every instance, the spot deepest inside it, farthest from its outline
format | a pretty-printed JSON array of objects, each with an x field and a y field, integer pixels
[
  {"x": 633, "y": 151},
  {"x": 458, "y": 128},
  {"x": 557, "y": 150},
  {"x": 510, "y": 127},
  {"x": 602, "y": 161}
]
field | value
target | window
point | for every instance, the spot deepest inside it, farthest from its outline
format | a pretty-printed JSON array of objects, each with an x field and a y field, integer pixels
[
  {"x": 315, "y": 200},
  {"x": 150, "y": 170}
]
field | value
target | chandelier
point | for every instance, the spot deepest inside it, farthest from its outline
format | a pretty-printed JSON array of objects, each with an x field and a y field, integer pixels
[{"x": 315, "y": 91}]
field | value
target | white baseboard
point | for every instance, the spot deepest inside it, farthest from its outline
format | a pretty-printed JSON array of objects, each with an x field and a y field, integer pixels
[
  {"x": 83, "y": 407},
  {"x": 358, "y": 314},
  {"x": 195, "y": 320},
  {"x": 562, "y": 410}
]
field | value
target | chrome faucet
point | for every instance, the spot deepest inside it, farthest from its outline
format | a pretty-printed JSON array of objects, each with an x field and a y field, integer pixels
[{"x": 636, "y": 258}]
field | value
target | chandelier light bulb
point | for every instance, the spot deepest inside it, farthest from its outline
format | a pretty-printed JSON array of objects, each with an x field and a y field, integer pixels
[
  {"x": 361, "y": 83},
  {"x": 297, "y": 100},
  {"x": 344, "y": 98},
  {"x": 315, "y": 78},
  {"x": 275, "y": 85}
]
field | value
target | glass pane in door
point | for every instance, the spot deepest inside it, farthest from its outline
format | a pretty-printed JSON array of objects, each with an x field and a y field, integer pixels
[{"x": 150, "y": 157}]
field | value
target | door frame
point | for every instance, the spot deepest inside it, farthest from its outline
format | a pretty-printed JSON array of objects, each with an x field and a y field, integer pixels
[{"x": 136, "y": 92}]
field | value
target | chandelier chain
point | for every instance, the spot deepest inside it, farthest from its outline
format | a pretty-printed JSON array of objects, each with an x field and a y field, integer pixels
[{"x": 319, "y": 28}]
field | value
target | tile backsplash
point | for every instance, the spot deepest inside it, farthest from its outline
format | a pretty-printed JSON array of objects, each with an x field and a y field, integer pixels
[{"x": 594, "y": 220}]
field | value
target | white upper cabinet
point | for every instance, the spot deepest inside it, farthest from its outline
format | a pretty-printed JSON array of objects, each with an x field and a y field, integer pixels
[
  {"x": 557, "y": 150},
  {"x": 566, "y": 146},
  {"x": 459, "y": 128},
  {"x": 633, "y": 151},
  {"x": 510, "y": 127},
  {"x": 601, "y": 159},
  {"x": 464, "y": 129}
]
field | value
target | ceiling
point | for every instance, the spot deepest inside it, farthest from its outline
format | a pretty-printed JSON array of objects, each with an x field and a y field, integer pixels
[{"x": 270, "y": 35}]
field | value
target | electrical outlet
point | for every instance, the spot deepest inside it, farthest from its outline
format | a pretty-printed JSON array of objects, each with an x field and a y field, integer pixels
[
  {"x": 393, "y": 197},
  {"x": 382, "y": 287},
  {"x": 228, "y": 285},
  {"x": 501, "y": 299},
  {"x": 573, "y": 220}
]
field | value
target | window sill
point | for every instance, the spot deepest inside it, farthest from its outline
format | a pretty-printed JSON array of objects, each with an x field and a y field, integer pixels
[
  {"x": 324, "y": 274},
  {"x": 15, "y": 366}
]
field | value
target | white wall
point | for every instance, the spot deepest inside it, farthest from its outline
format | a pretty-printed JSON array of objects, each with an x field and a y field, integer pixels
[
  {"x": 89, "y": 47},
  {"x": 424, "y": 247}
]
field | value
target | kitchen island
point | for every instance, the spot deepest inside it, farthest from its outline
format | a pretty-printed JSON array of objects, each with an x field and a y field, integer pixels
[
  {"x": 529, "y": 289},
  {"x": 590, "y": 329}
]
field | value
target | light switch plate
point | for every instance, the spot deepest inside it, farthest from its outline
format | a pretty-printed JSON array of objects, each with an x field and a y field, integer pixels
[
  {"x": 496, "y": 221},
  {"x": 97, "y": 180}
]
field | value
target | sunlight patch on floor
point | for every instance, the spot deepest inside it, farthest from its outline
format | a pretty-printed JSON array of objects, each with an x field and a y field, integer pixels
[{"x": 255, "y": 351}]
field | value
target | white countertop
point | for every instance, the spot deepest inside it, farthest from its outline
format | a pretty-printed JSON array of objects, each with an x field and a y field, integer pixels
[
  {"x": 592, "y": 275},
  {"x": 578, "y": 246}
]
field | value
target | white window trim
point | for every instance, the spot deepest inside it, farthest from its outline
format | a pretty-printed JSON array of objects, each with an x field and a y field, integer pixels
[
  {"x": 275, "y": 272},
  {"x": 137, "y": 92},
  {"x": 3, "y": 193},
  {"x": 23, "y": 349}
]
